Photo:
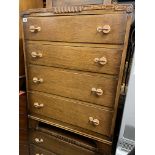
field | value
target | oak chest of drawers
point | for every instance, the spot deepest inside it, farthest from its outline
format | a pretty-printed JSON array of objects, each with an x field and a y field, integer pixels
[{"x": 75, "y": 59}]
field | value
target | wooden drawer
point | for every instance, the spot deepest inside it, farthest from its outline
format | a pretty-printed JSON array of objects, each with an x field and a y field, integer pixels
[
  {"x": 91, "y": 87},
  {"x": 77, "y": 28},
  {"x": 71, "y": 111},
  {"x": 58, "y": 144},
  {"x": 77, "y": 57},
  {"x": 34, "y": 150}
]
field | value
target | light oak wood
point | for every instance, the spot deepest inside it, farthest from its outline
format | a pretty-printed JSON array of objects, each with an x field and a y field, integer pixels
[
  {"x": 57, "y": 145},
  {"x": 77, "y": 29},
  {"x": 49, "y": 4},
  {"x": 74, "y": 57},
  {"x": 107, "y": 46},
  {"x": 65, "y": 126},
  {"x": 29, "y": 4},
  {"x": 73, "y": 84},
  {"x": 24, "y": 5},
  {"x": 98, "y": 147},
  {"x": 121, "y": 71},
  {"x": 63, "y": 30},
  {"x": 67, "y": 110},
  {"x": 80, "y": 10}
]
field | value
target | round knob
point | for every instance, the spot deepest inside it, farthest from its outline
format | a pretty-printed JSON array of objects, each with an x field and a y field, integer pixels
[
  {"x": 98, "y": 92},
  {"x": 101, "y": 61},
  {"x": 105, "y": 29},
  {"x": 37, "y": 105},
  {"x": 34, "y": 29},
  {"x": 37, "y": 140},
  {"x": 37, "y": 80},
  {"x": 94, "y": 121},
  {"x": 35, "y": 55}
]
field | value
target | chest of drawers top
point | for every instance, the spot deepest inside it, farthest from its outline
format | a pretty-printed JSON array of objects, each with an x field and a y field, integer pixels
[{"x": 80, "y": 24}]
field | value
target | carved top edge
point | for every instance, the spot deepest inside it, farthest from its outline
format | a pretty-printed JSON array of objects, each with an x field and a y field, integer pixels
[{"x": 75, "y": 9}]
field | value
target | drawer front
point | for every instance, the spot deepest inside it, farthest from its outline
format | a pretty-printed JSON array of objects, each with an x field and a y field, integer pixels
[
  {"x": 34, "y": 150},
  {"x": 71, "y": 111},
  {"x": 107, "y": 28},
  {"x": 57, "y": 146},
  {"x": 91, "y": 87},
  {"x": 92, "y": 59}
]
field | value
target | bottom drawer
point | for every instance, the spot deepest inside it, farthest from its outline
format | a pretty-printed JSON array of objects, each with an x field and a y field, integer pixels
[
  {"x": 34, "y": 150},
  {"x": 61, "y": 143}
]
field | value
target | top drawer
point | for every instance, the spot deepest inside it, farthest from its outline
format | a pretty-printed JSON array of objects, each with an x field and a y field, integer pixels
[{"x": 107, "y": 28}]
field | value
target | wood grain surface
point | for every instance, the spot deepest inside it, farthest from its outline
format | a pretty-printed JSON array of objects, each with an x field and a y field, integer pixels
[
  {"x": 73, "y": 84},
  {"x": 67, "y": 74},
  {"x": 71, "y": 111},
  {"x": 34, "y": 150},
  {"x": 77, "y": 28},
  {"x": 58, "y": 146},
  {"x": 74, "y": 57},
  {"x": 69, "y": 127}
]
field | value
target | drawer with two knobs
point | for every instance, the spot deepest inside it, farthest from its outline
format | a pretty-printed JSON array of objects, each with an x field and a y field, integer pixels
[
  {"x": 95, "y": 88},
  {"x": 81, "y": 29},
  {"x": 92, "y": 58},
  {"x": 77, "y": 113}
]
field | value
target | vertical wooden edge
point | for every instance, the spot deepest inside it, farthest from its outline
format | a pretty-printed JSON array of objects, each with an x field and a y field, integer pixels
[
  {"x": 129, "y": 20},
  {"x": 49, "y": 3},
  {"x": 25, "y": 62}
]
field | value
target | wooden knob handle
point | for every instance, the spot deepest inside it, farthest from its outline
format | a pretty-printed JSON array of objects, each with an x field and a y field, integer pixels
[
  {"x": 34, "y": 29},
  {"x": 101, "y": 61},
  {"x": 35, "y": 55},
  {"x": 105, "y": 29},
  {"x": 37, "y": 140},
  {"x": 98, "y": 92},
  {"x": 37, "y": 105},
  {"x": 94, "y": 121},
  {"x": 37, "y": 80}
]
